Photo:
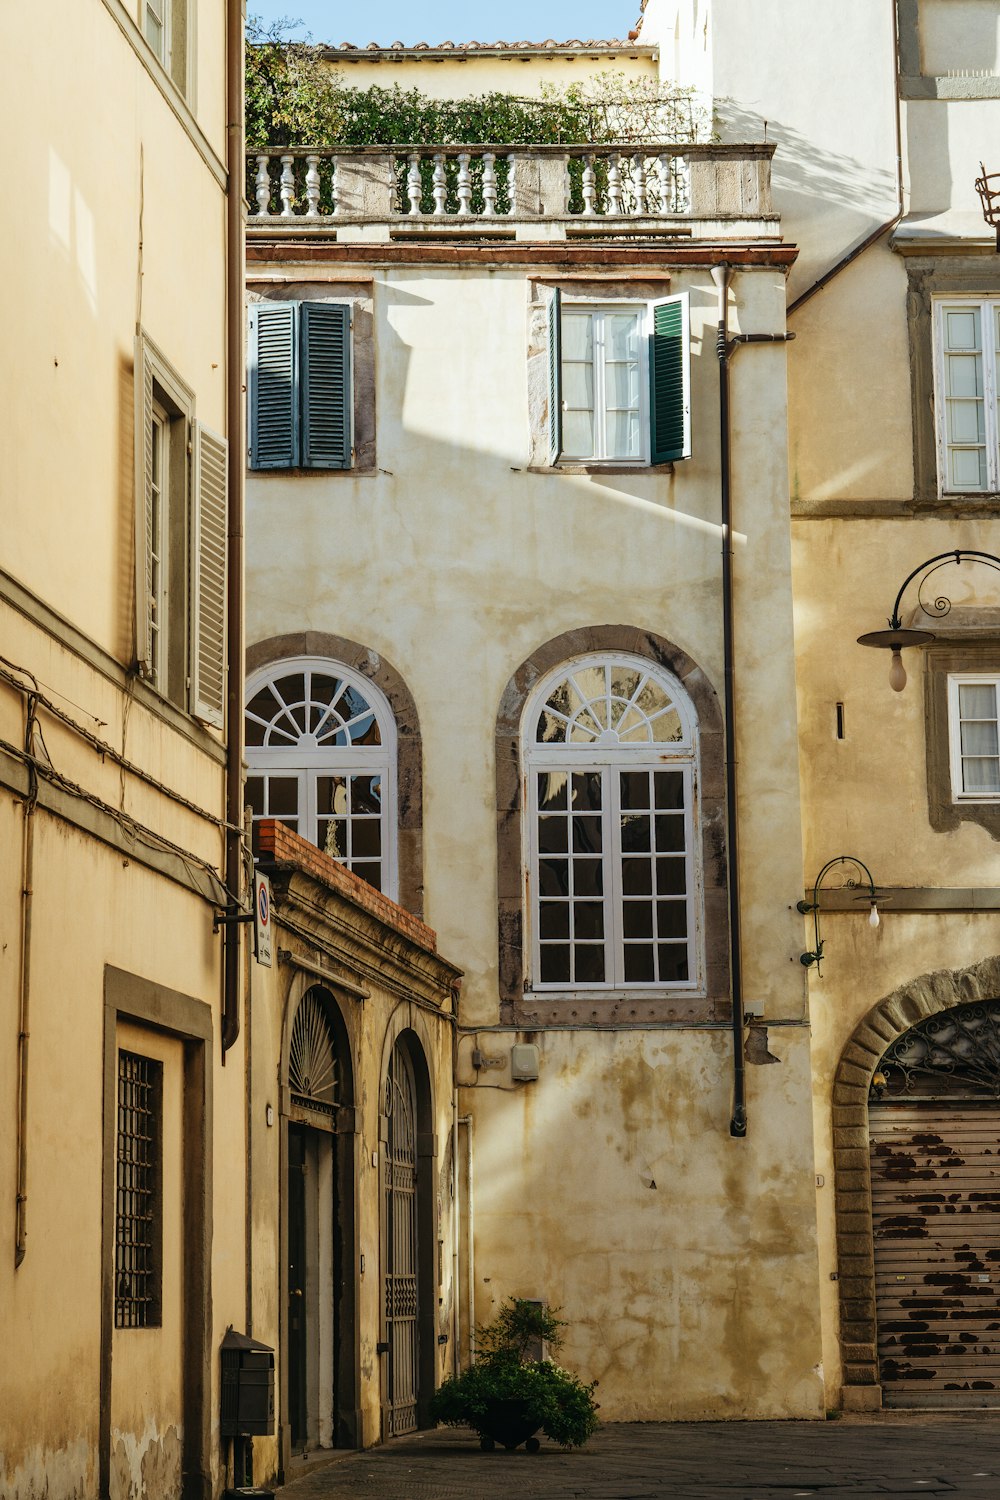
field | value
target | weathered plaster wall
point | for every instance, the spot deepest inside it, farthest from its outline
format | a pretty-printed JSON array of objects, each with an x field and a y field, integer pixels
[
  {"x": 682, "y": 1260},
  {"x": 94, "y": 914},
  {"x": 461, "y": 563}
]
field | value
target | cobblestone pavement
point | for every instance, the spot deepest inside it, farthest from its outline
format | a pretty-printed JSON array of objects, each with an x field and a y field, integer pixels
[{"x": 898, "y": 1454}]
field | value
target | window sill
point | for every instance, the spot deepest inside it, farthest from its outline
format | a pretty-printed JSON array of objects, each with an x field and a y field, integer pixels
[
  {"x": 618, "y": 1008},
  {"x": 599, "y": 468},
  {"x": 313, "y": 473}
]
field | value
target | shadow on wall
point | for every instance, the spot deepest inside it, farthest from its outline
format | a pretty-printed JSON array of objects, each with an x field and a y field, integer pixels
[{"x": 811, "y": 183}]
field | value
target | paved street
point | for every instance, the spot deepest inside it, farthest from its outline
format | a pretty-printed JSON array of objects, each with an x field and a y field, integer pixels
[{"x": 898, "y": 1454}]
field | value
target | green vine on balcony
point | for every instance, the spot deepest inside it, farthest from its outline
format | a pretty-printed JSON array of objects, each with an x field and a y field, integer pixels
[{"x": 296, "y": 98}]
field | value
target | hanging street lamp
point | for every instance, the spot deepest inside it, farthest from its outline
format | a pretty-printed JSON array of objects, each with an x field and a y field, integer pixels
[{"x": 896, "y": 639}]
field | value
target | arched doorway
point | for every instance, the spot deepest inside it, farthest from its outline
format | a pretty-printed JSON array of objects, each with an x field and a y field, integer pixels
[
  {"x": 408, "y": 1246},
  {"x": 873, "y": 1160},
  {"x": 318, "y": 1282},
  {"x": 934, "y": 1132}
]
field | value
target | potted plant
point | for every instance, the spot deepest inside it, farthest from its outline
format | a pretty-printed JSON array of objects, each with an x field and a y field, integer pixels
[{"x": 507, "y": 1397}]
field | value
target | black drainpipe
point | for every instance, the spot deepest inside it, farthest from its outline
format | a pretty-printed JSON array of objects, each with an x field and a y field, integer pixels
[
  {"x": 235, "y": 272},
  {"x": 725, "y": 347}
]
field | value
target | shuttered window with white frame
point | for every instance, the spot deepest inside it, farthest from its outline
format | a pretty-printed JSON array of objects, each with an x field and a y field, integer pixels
[
  {"x": 181, "y": 481},
  {"x": 619, "y": 381}
]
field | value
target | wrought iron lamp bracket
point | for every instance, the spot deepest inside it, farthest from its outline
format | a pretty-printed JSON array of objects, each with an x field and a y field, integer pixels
[
  {"x": 897, "y": 638},
  {"x": 814, "y": 955}
]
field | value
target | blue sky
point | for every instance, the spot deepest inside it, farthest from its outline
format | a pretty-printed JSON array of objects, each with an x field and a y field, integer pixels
[{"x": 433, "y": 21}]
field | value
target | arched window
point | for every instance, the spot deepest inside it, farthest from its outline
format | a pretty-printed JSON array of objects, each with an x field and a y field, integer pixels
[
  {"x": 610, "y": 745},
  {"x": 320, "y": 747}
]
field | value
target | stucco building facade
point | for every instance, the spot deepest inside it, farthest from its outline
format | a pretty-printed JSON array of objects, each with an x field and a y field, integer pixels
[
  {"x": 121, "y": 1158},
  {"x": 491, "y": 533}
]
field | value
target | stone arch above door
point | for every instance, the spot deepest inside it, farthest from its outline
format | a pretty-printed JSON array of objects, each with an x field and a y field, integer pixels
[{"x": 885, "y": 1023}]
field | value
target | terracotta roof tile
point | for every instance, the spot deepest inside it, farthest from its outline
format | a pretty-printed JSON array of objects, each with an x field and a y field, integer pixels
[{"x": 575, "y": 44}]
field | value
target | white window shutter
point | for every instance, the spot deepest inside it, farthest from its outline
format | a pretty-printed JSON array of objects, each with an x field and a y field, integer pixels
[
  {"x": 208, "y": 577},
  {"x": 143, "y": 446}
]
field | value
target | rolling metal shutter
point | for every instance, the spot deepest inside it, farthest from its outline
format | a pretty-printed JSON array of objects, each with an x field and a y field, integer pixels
[{"x": 936, "y": 1223}]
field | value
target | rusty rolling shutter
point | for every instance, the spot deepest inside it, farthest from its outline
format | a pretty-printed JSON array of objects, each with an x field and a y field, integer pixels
[{"x": 936, "y": 1224}]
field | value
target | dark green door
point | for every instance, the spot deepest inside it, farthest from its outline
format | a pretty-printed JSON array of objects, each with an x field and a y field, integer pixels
[{"x": 297, "y": 1411}]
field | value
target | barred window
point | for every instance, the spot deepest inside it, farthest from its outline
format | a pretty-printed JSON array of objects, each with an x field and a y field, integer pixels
[{"x": 138, "y": 1197}]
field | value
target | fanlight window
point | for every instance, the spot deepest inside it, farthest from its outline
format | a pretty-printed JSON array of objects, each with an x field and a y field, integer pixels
[
  {"x": 320, "y": 751},
  {"x": 613, "y": 879},
  {"x": 954, "y": 1052},
  {"x": 313, "y": 1075}
]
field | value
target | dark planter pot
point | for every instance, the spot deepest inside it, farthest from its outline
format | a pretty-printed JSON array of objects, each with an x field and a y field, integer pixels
[{"x": 507, "y": 1423}]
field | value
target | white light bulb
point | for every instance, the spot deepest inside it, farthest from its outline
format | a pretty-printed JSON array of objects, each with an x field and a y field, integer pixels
[
  {"x": 873, "y": 916},
  {"x": 897, "y": 673}
]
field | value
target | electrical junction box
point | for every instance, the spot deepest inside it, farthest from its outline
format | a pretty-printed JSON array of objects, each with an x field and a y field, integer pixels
[{"x": 524, "y": 1062}]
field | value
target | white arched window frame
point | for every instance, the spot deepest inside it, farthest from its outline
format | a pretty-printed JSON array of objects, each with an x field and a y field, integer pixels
[
  {"x": 321, "y": 758},
  {"x": 613, "y": 879}
]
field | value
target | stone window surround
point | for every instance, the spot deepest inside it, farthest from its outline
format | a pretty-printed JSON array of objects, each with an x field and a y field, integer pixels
[
  {"x": 359, "y": 295},
  {"x": 914, "y": 83},
  {"x": 884, "y": 1024},
  {"x": 127, "y": 997},
  {"x": 519, "y": 1007},
  {"x": 931, "y": 277},
  {"x": 968, "y": 647},
  {"x": 409, "y": 746}
]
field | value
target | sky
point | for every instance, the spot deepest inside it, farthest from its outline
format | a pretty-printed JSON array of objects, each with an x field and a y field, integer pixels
[{"x": 410, "y": 21}]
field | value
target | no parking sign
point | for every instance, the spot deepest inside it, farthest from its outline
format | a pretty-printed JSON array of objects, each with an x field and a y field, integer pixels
[{"x": 262, "y": 919}]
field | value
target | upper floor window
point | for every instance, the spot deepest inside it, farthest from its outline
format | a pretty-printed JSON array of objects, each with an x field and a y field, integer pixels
[
  {"x": 180, "y": 541},
  {"x": 967, "y": 355},
  {"x": 610, "y": 752},
  {"x": 164, "y": 24},
  {"x": 320, "y": 747},
  {"x": 973, "y": 736},
  {"x": 619, "y": 382},
  {"x": 299, "y": 385}
]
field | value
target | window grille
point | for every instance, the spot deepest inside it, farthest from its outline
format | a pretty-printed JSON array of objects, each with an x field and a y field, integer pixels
[{"x": 138, "y": 1192}]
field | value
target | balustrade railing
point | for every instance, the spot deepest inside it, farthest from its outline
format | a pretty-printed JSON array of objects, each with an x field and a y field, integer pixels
[{"x": 421, "y": 184}]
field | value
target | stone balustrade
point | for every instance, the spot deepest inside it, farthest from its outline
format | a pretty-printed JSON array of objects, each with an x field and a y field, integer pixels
[{"x": 610, "y": 187}]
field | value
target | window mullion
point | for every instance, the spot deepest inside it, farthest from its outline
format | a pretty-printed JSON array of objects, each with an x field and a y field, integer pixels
[
  {"x": 600, "y": 415},
  {"x": 613, "y": 910},
  {"x": 309, "y": 804}
]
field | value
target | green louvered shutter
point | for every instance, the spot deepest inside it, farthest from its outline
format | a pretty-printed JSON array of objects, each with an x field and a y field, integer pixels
[
  {"x": 670, "y": 381},
  {"x": 272, "y": 363},
  {"x": 327, "y": 406},
  {"x": 208, "y": 577},
  {"x": 143, "y": 508},
  {"x": 555, "y": 377}
]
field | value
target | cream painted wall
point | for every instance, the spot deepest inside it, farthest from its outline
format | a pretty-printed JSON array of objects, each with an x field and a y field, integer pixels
[
  {"x": 140, "y": 923},
  {"x": 68, "y": 462},
  {"x": 458, "y": 78},
  {"x": 108, "y": 159},
  {"x": 683, "y": 1261},
  {"x": 819, "y": 81},
  {"x": 459, "y": 564},
  {"x": 850, "y": 363}
]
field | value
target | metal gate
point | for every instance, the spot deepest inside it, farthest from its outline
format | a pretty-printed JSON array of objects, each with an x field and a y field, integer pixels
[
  {"x": 401, "y": 1310},
  {"x": 935, "y": 1176}
]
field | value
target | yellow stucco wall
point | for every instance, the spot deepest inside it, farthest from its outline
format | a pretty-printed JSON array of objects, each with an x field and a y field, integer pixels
[{"x": 119, "y": 212}]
